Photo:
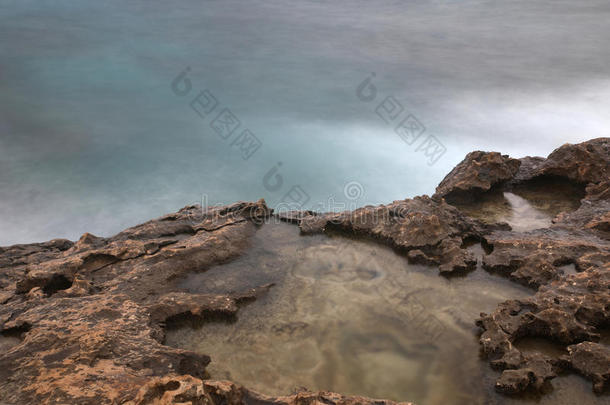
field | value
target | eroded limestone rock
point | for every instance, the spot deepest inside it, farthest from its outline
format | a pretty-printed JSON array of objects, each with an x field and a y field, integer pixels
[
  {"x": 478, "y": 172},
  {"x": 186, "y": 389},
  {"x": 90, "y": 315},
  {"x": 570, "y": 309},
  {"x": 436, "y": 229}
]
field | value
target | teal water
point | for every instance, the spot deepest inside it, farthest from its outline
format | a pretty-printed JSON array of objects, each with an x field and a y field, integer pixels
[{"x": 92, "y": 137}]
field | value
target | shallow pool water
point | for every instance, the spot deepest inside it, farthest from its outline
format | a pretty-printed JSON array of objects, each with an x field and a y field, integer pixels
[
  {"x": 352, "y": 317},
  {"x": 346, "y": 316}
]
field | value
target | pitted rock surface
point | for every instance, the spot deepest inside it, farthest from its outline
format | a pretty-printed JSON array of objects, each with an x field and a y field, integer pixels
[
  {"x": 435, "y": 229},
  {"x": 186, "y": 389},
  {"x": 478, "y": 172},
  {"x": 91, "y": 314},
  {"x": 570, "y": 309}
]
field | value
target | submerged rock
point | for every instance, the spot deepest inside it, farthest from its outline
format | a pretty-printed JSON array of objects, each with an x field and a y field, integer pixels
[{"x": 89, "y": 316}]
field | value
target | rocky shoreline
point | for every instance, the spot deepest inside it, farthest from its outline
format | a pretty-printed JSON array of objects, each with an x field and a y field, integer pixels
[{"x": 85, "y": 321}]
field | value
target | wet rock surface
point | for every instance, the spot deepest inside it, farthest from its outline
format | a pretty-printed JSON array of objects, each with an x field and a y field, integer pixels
[{"x": 86, "y": 319}]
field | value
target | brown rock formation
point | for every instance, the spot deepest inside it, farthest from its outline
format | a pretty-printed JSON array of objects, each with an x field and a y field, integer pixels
[
  {"x": 567, "y": 309},
  {"x": 90, "y": 315},
  {"x": 435, "y": 229},
  {"x": 477, "y": 173},
  {"x": 585, "y": 162},
  {"x": 186, "y": 389},
  {"x": 591, "y": 359}
]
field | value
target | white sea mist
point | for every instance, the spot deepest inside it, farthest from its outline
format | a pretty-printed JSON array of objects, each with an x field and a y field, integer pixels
[{"x": 92, "y": 138}]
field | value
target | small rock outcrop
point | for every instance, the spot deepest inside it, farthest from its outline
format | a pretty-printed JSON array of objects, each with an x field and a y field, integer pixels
[
  {"x": 477, "y": 173},
  {"x": 429, "y": 231},
  {"x": 591, "y": 360},
  {"x": 585, "y": 162}
]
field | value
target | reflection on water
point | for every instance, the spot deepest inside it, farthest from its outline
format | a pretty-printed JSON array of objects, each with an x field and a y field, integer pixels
[
  {"x": 347, "y": 316},
  {"x": 527, "y": 207}
]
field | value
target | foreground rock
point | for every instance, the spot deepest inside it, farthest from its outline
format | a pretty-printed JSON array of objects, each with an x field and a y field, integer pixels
[
  {"x": 86, "y": 320},
  {"x": 186, "y": 389},
  {"x": 591, "y": 360},
  {"x": 90, "y": 315}
]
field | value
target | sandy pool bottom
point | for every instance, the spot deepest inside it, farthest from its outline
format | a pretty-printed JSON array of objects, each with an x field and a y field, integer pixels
[{"x": 354, "y": 317}]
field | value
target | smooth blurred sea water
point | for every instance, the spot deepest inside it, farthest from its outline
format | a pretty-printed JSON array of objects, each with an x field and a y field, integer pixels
[{"x": 92, "y": 137}]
